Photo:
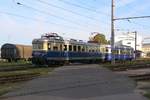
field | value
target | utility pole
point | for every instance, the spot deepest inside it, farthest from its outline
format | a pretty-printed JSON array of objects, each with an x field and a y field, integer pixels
[
  {"x": 135, "y": 44},
  {"x": 112, "y": 31}
]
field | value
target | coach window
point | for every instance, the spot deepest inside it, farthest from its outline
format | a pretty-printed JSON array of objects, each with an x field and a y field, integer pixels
[
  {"x": 116, "y": 51},
  {"x": 103, "y": 50},
  {"x": 132, "y": 52},
  {"x": 79, "y": 48},
  {"x": 128, "y": 52},
  {"x": 125, "y": 51},
  {"x": 97, "y": 50},
  {"x": 74, "y": 48},
  {"x": 49, "y": 46},
  {"x": 65, "y": 47},
  {"x": 83, "y": 49},
  {"x": 70, "y": 47},
  {"x": 86, "y": 48},
  {"x": 107, "y": 50},
  {"x": 61, "y": 47},
  {"x": 121, "y": 51},
  {"x": 55, "y": 48}
]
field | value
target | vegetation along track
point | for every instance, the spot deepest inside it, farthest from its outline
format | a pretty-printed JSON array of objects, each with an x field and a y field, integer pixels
[
  {"x": 17, "y": 78},
  {"x": 20, "y": 71},
  {"x": 139, "y": 64},
  {"x": 141, "y": 77}
]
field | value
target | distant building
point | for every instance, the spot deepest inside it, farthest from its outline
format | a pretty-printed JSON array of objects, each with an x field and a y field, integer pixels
[
  {"x": 129, "y": 40},
  {"x": 146, "y": 50},
  {"x": 0, "y": 53}
]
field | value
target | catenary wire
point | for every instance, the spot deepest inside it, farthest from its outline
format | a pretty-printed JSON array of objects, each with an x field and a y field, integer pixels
[
  {"x": 35, "y": 19},
  {"x": 76, "y": 13},
  {"x": 61, "y": 18},
  {"x": 82, "y": 7},
  {"x": 47, "y": 13}
]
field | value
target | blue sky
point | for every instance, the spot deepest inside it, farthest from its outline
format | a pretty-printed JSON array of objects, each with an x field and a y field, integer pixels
[{"x": 76, "y": 22}]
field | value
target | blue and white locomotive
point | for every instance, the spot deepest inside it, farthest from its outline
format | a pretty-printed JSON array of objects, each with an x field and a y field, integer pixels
[{"x": 53, "y": 49}]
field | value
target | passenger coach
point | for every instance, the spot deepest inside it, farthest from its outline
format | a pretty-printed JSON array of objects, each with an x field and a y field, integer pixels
[{"x": 53, "y": 49}]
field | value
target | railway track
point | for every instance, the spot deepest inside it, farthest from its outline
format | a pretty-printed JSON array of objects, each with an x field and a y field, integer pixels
[
  {"x": 17, "y": 78},
  {"x": 29, "y": 76},
  {"x": 141, "y": 77},
  {"x": 131, "y": 67},
  {"x": 16, "y": 68}
]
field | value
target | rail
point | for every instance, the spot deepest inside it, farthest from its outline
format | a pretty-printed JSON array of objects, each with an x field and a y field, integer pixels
[
  {"x": 17, "y": 78},
  {"x": 140, "y": 77}
]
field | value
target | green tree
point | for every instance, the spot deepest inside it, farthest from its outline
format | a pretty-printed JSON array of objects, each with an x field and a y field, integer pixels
[
  {"x": 108, "y": 42},
  {"x": 148, "y": 54},
  {"x": 99, "y": 38}
]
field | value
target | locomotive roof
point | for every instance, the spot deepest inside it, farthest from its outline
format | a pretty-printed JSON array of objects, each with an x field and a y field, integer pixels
[
  {"x": 48, "y": 40},
  {"x": 49, "y": 37},
  {"x": 52, "y": 36}
]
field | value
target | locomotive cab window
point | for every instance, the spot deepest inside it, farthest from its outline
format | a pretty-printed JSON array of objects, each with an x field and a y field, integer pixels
[{"x": 38, "y": 46}]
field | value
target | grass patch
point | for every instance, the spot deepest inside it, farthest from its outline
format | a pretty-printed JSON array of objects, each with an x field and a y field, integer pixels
[
  {"x": 15, "y": 69},
  {"x": 144, "y": 86},
  {"x": 14, "y": 64},
  {"x": 147, "y": 94},
  {"x": 41, "y": 71},
  {"x": 5, "y": 88}
]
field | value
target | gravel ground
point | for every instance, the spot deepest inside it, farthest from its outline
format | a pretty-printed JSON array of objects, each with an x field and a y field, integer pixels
[{"x": 80, "y": 82}]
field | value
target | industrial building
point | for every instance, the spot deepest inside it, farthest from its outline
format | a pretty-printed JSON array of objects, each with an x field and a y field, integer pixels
[
  {"x": 129, "y": 39},
  {"x": 146, "y": 50}
]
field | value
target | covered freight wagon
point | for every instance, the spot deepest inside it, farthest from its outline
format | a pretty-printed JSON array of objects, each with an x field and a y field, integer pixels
[{"x": 16, "y": 52}]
